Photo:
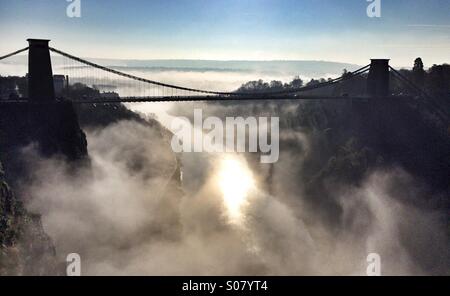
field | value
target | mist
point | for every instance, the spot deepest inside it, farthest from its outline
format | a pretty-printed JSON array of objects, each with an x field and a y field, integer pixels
[
  {"x": 200, "y": 74},
  {"x": 131, "y": 214}
]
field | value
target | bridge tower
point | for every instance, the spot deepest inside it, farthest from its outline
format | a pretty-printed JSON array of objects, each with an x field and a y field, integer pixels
[
  {"x": 378, "y": 78},
  {"x": 40, "y": 75}
]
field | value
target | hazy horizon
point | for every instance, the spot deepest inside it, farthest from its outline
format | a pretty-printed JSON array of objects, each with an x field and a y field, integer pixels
[{"x": 210, "y": 74}]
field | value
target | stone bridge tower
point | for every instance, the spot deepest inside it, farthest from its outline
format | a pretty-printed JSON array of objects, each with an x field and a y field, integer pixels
[
  {"x": 40, "y": 75},
  {"x": 378, "y": 79}
]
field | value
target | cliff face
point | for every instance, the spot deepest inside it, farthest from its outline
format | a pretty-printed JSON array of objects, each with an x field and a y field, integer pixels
[
  {"x": 54, "y": 128},
  {"x": 55, "y": 131},
  {"x": 25, "y": 249},
  {"x": 360, "y": 135}
]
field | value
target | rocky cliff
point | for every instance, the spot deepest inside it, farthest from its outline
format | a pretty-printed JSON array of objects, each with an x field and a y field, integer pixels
[
  {"x": 54, "y": 130},
  {"x": 25, "y": 249},
  {"x": 51, "y": 130}
]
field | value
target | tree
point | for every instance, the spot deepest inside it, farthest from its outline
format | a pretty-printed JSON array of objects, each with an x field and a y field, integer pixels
[
  {"x": 438, "y": 80},
  {"x": 296, "y": 83},
  {"x": 276, "y": 85},
  {"x": 418, "y": 73}
]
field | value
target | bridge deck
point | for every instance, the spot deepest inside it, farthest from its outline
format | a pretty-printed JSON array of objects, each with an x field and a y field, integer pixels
[{"x": 205, "y": 98}]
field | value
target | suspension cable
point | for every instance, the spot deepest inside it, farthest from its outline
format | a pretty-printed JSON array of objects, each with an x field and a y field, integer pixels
[
  {"x": 13, "y": 53},
  {"x": 260, "y": 93},
  {"x": 263, "y": 93},
  {"x": 411, "y": 84},
  {"x": 135, "y": 77},
  {"x": 422, "y": 93}
]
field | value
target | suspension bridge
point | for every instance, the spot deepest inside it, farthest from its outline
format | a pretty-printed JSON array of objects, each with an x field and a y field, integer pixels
[{"x": 132, "y": 88}]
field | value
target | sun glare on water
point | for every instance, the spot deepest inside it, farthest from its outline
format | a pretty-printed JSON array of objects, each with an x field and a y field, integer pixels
[{"x": 235, "y": 181}]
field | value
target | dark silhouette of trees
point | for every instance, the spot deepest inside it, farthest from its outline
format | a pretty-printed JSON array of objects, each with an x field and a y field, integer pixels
[
  {"x": 438, "y": 80},
  {"x": 254, "y": 86},
  {"x": 418, "y": 73},
  {"x": 296, "y": 82},
  {"x": 79, "y": 91},
  {"x": 13, "y": 87},
  {"x": 276, "y": 85}
]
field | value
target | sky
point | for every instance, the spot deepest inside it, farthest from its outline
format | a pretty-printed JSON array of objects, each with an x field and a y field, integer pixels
[{"x": 331, "y": 30}]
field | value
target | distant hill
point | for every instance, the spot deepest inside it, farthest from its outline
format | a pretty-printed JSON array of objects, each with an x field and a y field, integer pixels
[{"x": 306, "y": 68}]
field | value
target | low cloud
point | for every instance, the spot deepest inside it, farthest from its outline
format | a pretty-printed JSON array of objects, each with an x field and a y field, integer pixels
[{"x": 125, "y": 215}]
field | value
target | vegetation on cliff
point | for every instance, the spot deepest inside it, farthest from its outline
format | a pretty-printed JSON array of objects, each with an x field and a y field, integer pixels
[{"x": 25, "y": 249}]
